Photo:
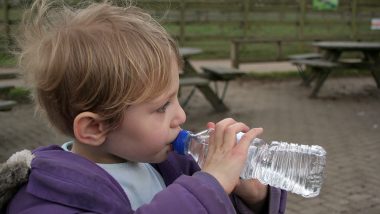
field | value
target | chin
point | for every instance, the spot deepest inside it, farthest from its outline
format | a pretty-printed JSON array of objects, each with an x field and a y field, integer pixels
[{"x": 161, "y": 158}]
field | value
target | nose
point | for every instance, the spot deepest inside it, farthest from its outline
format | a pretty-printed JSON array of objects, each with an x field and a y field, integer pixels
[{"x": 179, "y": 117}]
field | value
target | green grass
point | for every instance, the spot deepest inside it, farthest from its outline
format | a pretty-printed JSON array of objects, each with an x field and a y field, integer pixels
[{"x": 7, "y": 60}]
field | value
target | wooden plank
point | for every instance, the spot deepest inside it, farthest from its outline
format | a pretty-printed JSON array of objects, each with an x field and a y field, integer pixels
[
  {"x": 222, "y": 73},
  {"x": 305, "y": 56},
  {"x": 289, "y": 40},
  {"x": 10, "y": 75},
  {"x": 7, "y": 105},
  {"x": 198, "y": 21},
  {"x": 191, "y": 81},
  {"x": 6, "y": 88},
  {"x": 316, "y": 63}
]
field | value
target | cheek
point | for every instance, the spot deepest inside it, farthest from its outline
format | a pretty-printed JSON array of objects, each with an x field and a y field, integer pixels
[
  {"x": 154, "y": 130},
  {"x": 160, "y": 136},
  {"x": 147, "y": 135},
  {"x": 154, "y": 138}
]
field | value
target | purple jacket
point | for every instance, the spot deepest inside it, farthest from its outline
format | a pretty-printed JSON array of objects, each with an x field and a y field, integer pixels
[{"x": 62, "y": 182}]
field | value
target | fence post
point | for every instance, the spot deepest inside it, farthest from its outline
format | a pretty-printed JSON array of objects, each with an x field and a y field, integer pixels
[
  {"x": 182, "y": 22},
  {"x": 353, "y": 18},
  {"x": 279, "y": 50},
  {"x": 234, "y": 54},
  {"x": 301, "y": 20}
]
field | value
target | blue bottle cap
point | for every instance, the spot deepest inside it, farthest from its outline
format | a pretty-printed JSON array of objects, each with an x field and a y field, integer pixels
[{"x": 179, "y": 144}]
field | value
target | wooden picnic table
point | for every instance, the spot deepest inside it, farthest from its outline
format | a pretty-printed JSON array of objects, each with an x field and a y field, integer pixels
[
  {"x": 187, "y": 53},
  {"x": 190, "y": 76},
  {"x": 332, "y": 52}
]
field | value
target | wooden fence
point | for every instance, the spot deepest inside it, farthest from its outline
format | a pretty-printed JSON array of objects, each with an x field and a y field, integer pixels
[
  {"x": 238, "y": 58},
  {"x": 249, "y": 16},
  {"x": 212, "y": 24}
]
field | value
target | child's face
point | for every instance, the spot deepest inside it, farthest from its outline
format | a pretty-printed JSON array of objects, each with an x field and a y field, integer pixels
[{"x": 147, "y": 130}]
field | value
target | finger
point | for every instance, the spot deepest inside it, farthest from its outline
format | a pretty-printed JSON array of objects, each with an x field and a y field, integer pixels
[
  {"x": 220, "y": 128},
  {"x": 230, "y": 134},
  {"x": 252, "y": 133},
  {"x": 211, "y": 125},
  {"x": 247, "y": 138}
]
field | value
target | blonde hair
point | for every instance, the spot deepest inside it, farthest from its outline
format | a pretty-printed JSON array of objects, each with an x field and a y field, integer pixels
[{"x": 99, "y": 58}]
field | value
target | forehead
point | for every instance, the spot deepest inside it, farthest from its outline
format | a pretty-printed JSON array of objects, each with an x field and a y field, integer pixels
[
  {"x": 155, "y": 79},
  {"x": 160, "y": 88},
  {"x": 171, "y": 87}
]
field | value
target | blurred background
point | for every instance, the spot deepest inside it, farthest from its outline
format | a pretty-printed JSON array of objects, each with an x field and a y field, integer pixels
[{"x": 272, "y": 29}]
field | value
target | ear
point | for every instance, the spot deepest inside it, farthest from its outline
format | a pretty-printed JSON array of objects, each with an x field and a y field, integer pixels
[{"x": 89, "y": 129}]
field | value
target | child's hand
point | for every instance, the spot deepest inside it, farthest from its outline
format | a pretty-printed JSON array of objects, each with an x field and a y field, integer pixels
[
  {"x": 253, "y": 193},
  {"x": 226, "y": 158}
]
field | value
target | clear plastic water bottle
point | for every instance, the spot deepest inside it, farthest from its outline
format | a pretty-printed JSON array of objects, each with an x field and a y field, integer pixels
[{"x": 292, "y": 167}]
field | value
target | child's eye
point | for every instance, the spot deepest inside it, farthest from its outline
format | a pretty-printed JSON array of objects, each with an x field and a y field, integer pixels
[{"x": 163, "y": 108}]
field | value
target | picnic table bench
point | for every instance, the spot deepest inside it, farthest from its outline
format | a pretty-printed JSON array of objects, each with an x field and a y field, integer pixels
[
  {"x": 321, "y": 67},
  {"x": 221, "y": 74},
  {"x": 6, "y": 105},
  {"x": 305, "y": 56},
  {"x": 8, "y": 75},
  {"x": 318, "y": 67},
  {"x": 190, "y": 77},
  {"x": 193, "y": 81},
  {"x": 298, "y": 61},
  {"x": 201, "y": 80}
]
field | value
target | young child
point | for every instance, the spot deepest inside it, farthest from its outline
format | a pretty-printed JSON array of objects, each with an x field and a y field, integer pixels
[{"x": 107, "y": 76}]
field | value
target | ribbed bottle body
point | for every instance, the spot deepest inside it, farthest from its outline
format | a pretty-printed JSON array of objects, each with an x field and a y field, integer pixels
[
  {"x": 292, "y": 167},
  {"x": 288, "y": 166}
]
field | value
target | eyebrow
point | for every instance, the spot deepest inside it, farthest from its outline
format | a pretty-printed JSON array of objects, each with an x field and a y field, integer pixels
[
  {"x": 160, "y": 99},
  {"x": 170, "y": 95}
]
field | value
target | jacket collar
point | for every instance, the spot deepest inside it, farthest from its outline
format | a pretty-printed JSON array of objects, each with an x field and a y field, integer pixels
[{"x": 65, "y": 178}]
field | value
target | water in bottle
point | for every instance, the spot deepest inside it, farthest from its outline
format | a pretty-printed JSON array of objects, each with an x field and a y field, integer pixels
[{"x": 292, "y": 167}]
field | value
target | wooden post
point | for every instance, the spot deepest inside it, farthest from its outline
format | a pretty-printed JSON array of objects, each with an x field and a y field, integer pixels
[
  {"x": 234, "y": 54},
  {"x": 353, "y": 19},
  {"x": 279, "y": 50},
  {"x": 301, "y": 18},
  {"x": 182, "y": 22}
]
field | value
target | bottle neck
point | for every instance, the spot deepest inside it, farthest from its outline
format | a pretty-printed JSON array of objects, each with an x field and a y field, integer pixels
[{"x": 180, "y": 144}]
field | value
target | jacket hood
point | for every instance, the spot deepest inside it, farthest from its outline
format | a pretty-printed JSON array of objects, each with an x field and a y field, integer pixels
[
  {"x": 53, "y": 176},
  {"x": 13, "y": 173}
]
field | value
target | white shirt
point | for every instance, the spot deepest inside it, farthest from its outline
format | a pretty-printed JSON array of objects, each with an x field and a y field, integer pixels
[{"x": 140, "y": 181}]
